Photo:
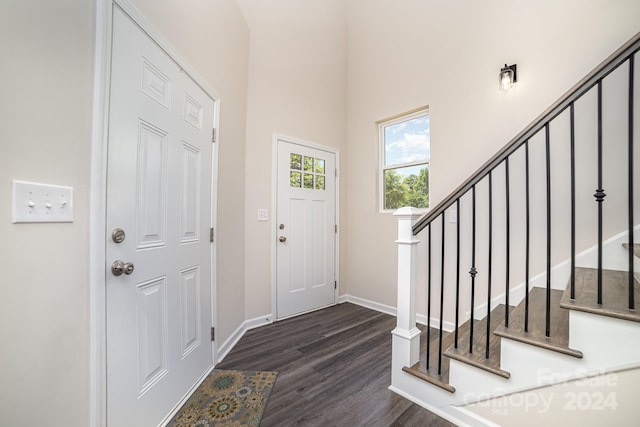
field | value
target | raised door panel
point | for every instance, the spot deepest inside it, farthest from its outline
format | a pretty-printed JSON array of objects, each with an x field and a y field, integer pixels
[
  {"x": 318, "y": 225},
  {"x": 192, "y": 111},
  {"x": 155, "y": 84},
  {"x": 152, "y": 332},
  {"x": 296, "y": 245},
  {"x": 190, "y": 309},
  {"x": 191, "y": 193},
  {"x": 151, "y": 196}
]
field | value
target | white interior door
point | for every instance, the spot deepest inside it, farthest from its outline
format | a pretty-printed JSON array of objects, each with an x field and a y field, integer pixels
[
  {"x": 306, "y": 226},
  {"x": 159, "y": 194}
]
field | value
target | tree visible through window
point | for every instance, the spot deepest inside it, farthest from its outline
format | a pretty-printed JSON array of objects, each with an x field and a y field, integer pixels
[{"x": 404, "y": 166}]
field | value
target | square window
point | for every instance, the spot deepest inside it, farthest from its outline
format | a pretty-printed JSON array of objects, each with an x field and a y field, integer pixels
[
  {"x": 295, "y": 179},
  {"x": 296, "y": 161},
  {"x": 308, "y": 180},
  {"x": 308, "y": 164},
  {"x": 406, "y": 186}
]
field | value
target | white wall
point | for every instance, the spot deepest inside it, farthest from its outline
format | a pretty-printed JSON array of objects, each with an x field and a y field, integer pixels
[
  {"x": 297, "y": 87},
  {"x": 447, "y": 55},
  {"x": 45, "y": 135},
  {"x": 45, "y": 132}
]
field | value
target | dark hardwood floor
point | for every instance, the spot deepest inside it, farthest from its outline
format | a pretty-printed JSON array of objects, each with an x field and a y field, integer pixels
[{"x": 334, "y": 369}]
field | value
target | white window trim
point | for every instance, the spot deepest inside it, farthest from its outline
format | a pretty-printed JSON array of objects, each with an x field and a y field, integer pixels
[{"x": 381, "y": 124}]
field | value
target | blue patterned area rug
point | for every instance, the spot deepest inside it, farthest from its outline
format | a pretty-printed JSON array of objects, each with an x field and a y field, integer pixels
[{"x": 227, "y": 398}]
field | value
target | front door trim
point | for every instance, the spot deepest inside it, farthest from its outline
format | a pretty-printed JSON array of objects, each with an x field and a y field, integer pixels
[
  {"x": 274, "y": 205},
  {"x": 98, "y": 194}
]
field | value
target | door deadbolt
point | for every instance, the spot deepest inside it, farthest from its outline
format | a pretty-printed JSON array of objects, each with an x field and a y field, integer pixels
[
  {"x": 118, "y": 235},
  {"x": 118, "y": 267},
  {"x": 281, "y": 227}
]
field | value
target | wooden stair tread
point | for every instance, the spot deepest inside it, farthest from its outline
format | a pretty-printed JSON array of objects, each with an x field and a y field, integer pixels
[
  {"x": 615, "y": 294},
  {"x": 636, "y": 248},
  {"x": 431, "y": 375},
  {"x": 478, "y": 358},
  {"x": 536, "y": 335}
]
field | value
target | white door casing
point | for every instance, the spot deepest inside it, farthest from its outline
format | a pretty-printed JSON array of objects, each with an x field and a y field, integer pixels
[
  {"x": 305, "y": 228},
  {"x": 159, "y": 171}
]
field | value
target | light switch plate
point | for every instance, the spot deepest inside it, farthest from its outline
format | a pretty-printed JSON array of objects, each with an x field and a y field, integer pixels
[
  {"x": 34, "y": 202},
  {"x": 263, "y": 215}
]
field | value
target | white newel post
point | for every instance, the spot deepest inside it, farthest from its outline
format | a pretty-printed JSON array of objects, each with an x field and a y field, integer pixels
[{"x": 406, "y": 336}]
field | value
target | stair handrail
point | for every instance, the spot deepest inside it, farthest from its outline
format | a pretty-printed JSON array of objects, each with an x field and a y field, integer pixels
[{"x": 573, "y": 94}]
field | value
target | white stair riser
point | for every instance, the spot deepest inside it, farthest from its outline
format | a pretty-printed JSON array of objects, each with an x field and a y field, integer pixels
[
  {"x": 532, "y": 366},
  {"x": 473, "y": 384},
  {"x": 604, "y": 341}
]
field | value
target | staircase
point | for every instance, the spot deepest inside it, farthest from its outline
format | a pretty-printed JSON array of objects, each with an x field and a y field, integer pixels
[{"x": 530, "y": 282}]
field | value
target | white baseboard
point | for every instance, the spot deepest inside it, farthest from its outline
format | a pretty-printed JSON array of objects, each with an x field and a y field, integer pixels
[
  {"x": 516, "y": 294},
  {"x": 256, "y": 322},
  {"x": 435, "y": 323},
  {"x": 226, "y": 347},
  {"x": 614, "y": 259},
  {"x": 392, "y": 311},
  {"x": 382, "y": 308},
  {"x": 230, "y": 342}
]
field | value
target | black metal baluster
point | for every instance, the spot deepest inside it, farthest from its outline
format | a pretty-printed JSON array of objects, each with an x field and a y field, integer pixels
[
  {"x": 573, "y": 202},
  {"x": 599, "y": 195},
  {"x": 441, "y": 299},
  {"x": 489, "y": 266},
  {"x": 457, "y": 271},
  {"x": 548, "y": 162},
  {"x": 428, "y": 294},
  {"x": 526, "y": 238},
  {"x": 473, "y": 270},
  {"x": 631, "y": 272},
  {"x": 508, "y": 243}
]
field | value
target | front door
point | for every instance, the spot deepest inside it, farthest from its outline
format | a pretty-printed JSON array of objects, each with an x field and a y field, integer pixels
[
  {"x": 306, "y": 229},
  {"x": 158, "y": 302}
]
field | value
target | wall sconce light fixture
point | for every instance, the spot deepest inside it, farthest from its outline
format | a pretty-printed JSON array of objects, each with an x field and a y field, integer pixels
[{"x": 508, "y": 76}]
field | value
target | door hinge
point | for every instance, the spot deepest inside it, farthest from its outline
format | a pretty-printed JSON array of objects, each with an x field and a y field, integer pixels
[
  {"x": 213, "y": 333},
  {"x": 335, "y": 284},
  {"x": 336, "y": 172},
  {"x": 213, "y": 135},
  {"x": 211, "y": 235},
  {"x": 336, "y": 228}
]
